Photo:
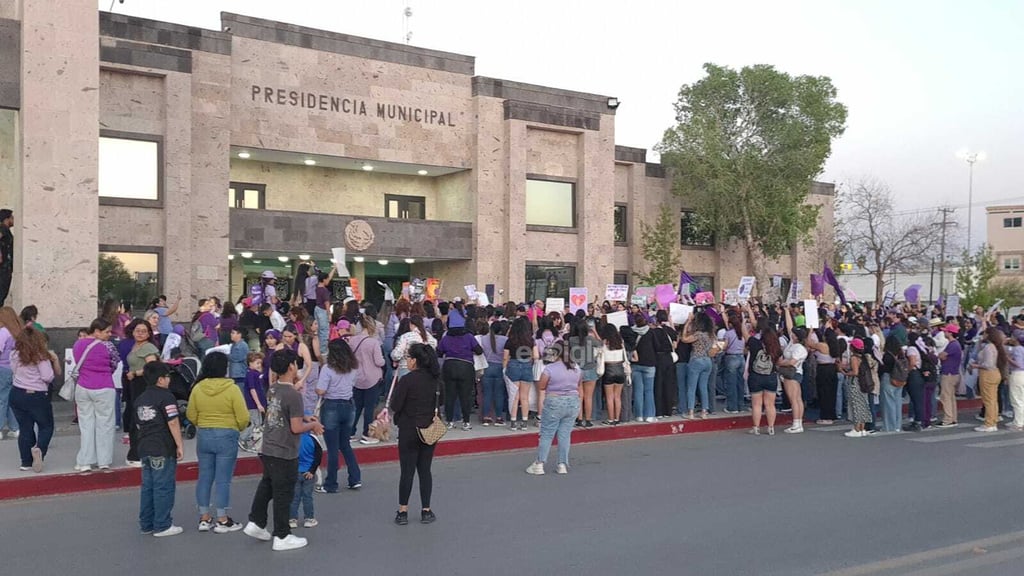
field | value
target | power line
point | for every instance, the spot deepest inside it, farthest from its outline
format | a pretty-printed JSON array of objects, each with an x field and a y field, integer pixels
[{"x": 957, "y": 206}]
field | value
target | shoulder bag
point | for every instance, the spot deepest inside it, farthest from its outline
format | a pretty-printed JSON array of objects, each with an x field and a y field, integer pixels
[
  {"x": 67, "y": 391},
  {"x": 380, "y": 428},
  {"x": 437, "y": 428}
]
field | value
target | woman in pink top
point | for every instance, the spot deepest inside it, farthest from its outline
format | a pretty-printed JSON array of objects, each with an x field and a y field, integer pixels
[
  {"x": 34, "y": 368},
  {"x": 366, "y": 347},
  {"x": 97, "y": 358}
]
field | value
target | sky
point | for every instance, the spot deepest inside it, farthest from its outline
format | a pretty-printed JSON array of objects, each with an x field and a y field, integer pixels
[{"x": 921, "y": 79}]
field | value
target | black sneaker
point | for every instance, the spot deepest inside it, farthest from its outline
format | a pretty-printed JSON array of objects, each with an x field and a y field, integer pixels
[
  {"x": 913, "y": 427},
  {"x": 946, "y": 425},
  {"x": 228, "y": 525},
  {"x": 427, "y": 517},
  {"x": 588, "y": 424},
  {"x": 402, "y": 518},
  {"x": 578, "y": 424}
]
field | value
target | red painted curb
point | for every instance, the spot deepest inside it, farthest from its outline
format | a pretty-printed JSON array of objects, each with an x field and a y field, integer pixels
[{"x": 53, "y": 484}]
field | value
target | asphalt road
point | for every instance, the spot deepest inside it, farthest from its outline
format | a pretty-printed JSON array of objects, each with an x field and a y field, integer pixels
[{"x": 721, "y": 503}]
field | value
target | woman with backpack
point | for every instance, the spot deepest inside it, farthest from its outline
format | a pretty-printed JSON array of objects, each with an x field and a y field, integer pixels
[
  {"x": 892, "y": 374},
  {"x": 858, "y": 384},
  {"x": 764, "y": 352},
  {"x": 915, "y": 384}
]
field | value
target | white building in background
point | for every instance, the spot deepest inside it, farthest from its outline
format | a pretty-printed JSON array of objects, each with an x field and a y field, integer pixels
[{"x": 863, "y": 285}]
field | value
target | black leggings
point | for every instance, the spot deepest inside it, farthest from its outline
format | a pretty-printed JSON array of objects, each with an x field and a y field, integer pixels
[
  {"x": 459, "y": 379},
  {"x": 828, "y": 383},
  {"x": 414, "y": 457}
]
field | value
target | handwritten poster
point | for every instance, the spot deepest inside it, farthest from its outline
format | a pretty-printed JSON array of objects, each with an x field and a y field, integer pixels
[
  {"x": 339, "y": 262},
  {"x": 616, "y": 292},
  {"x": 664, "y": 294},
  {"x": 730, "y": 297},
  {"x": 746, "y": 288},
  {"x": 811, "y": 313},
  {"x": 704, "y": 298},
  {"x": 356, "y": 293},
  {"x": 953, "y": 305},
  {"x": 638, "y": 299},
  {"x": 471, "y": 291},
  {"x": 554, "y": 305},
  {"x": 679, "y": 313},
  {"x": 618, "y": 319},
  {"x": 577, "y": 299}
]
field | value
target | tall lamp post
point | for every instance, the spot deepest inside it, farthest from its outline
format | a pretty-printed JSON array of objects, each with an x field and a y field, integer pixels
[{"x": 970, "y": 157}]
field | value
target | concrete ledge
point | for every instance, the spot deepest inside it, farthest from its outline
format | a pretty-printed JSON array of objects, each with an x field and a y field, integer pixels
[
  {"x": 553, "y": 115},
  {"x": 654, "y": 171},
  {"x": 145, "y": 55},
  {"x": 634, "y": 155},
  {"x": 535, "y": 94},
  {"x": 164, "y": 33},
  {"x": 293, "y": 35}
]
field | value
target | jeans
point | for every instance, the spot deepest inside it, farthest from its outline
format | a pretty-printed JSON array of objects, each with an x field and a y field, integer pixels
[
  {"x": 698, "y": 372},
  {"x": 365, "y": 402},
  {"x": 156, "y": 499},
  {"x": 277, "y": 484},
  {"x": 459, "y": 383},
  {"x": 733, "y": 367},
  {"x": 338, "y": 419},
  {"x": 303, "y": 495},
  {"x": 681, "y": 393},
  {"x": 216, "y": 450},
  {"x": 558, "y": 417},
  {"x": 828, "y": 382},
  {"x": 643, "y": 391},
  {"x": 915, "y": 387},
  {"x": 414, "y": 459},
  {"x": 7, "y": 419},
  {"x": 96, "y": 426},
  {"x": 32, "y": 409},
  {"x": 892, "y": 404},
  {"x": 841, "y": 396},
  {"x": 323, "y": 330},
  {"x": 494, "y": 391}
]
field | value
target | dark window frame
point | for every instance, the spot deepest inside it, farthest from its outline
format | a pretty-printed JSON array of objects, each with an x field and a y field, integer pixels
[
  {"x": 687, "y": 241},
  {"x": 137, "y": 202},
  {"x": 620, "y": 277},
  {"x": 575, "y": 204},
  {"x": 1013, "y": 222},
  {"x": 260, "y": 188},
  {"x": 625, "y": 224},
  {"x": 400, "y": 198},
  {"x": 160, "y": 262},
  {"x": 528, "y": 291}
]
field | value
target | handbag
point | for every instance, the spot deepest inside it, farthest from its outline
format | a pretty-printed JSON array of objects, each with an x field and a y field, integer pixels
[
  {"x": 380, "y": 428},
  {"x": 67, "y": 391},
  {"x": 437, "y": 428}
]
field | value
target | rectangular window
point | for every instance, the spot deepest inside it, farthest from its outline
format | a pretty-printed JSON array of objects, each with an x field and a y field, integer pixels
[
  {"x": 549, "y": 282},
  {"x": 620, "y": 224},
  {"x": 620, "y": 278},
  {"x": 129, "y": 277},
  {"x": 244, "y": 195},
  {"x": 692, "y": 231},
  {"x": 405, "y": 207},
  {"x": 129, "y": 168},
  {"x": 550, "y": 203},
  {"x": 1011, "y": 263},
  {"x": 1012, "y": 222},
  {"x": 704, "y": 283}
]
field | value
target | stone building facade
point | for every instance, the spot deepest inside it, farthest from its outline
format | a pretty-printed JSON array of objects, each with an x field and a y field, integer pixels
[{"x": 198, "y": 158}]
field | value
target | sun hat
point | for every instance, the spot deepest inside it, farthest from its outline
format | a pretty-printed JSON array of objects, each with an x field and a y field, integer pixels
[{"x": 935, "y": 322}]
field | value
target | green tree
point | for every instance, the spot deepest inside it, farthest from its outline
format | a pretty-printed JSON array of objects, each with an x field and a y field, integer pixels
[
  {"x": 974, "y": 279},
  {"x": 114, "y": 279},
  {"x": 744, "y": 152},
  {"x": 659, "y": 245},
  {"x": 1010, "y": 291}
]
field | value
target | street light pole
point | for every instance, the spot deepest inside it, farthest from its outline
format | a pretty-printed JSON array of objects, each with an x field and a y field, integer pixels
[{"x": 970, "y": 158}]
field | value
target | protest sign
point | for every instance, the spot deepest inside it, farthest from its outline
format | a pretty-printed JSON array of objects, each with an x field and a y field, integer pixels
[
  {"x": 811, "y": 313},
  {"x": 339, "y": 261},
  {"x": 354, "y": 284},
  {"x": 433, "y": 289},
  {"x": 638, "y": 299},
  {"x": 953, "y": 305},
  {"x": 730, "y": 297},
  {"x": 890, "y": 297},
  {"x": 679, "y": 313},
  {"x": 471, "y": 291},
  {"x": 616, "y": 292},
  {"x": 704, "y": 298},
  {"x": 746, "y": 288},
  {"x": 577, "y": 299},
  {"x": 664, "y": 294},
  {"x": 618, "y": 319},
  {"x": 554, "y": 305}
]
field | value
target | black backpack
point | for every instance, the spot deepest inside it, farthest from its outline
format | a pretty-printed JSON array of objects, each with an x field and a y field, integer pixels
[{"x": 929, "y": 366}]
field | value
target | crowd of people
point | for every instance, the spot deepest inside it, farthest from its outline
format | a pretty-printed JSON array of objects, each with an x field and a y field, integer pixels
[{"x": 297, "y": 382}]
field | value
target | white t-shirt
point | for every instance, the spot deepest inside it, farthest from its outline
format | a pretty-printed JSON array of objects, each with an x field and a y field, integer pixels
[{"x": 796, "y": 351}]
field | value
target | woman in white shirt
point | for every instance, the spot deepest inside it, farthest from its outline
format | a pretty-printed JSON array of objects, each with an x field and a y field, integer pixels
[
  {"x": 791, "y": 368},
  {"x": 613, "y": 364},
  {"x": 417, "y": 334}
]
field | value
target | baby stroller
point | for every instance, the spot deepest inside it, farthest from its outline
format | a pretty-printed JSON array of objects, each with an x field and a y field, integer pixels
[{"x": 184, "y": 373}]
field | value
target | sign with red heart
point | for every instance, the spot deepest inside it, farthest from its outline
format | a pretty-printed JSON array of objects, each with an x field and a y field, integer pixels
[{"x": 577, "y": 299}]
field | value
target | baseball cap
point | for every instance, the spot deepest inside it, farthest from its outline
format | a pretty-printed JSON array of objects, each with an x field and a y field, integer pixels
[
  {"x": 857, "y": 344},
  {"x": 951, "y": 328}
]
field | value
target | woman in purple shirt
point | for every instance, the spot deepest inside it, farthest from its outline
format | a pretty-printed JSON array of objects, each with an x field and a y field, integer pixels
[
  {"x": 457, "y": 347},
  {"x": 560, "y": 381},
  {"x": 204, "y": 316},
  {"x": 97, "y": 358}
]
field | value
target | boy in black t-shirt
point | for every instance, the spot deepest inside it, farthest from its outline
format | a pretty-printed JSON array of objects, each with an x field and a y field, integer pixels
[{"x": 158, "y": 433}]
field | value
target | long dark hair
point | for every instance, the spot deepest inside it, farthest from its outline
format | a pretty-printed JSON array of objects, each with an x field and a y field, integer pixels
[
  {"x": 520, "y": 335},
  {"x": 340, "y": 357},
  {"x": 300, "y": 278},
  {"x": 109, "y": 312},
  {"x": 996, "y": 338},
  {"x": 770, "y": 341},
  {"x": 495, "y": 330},
  {"x": 703, "y": 323},
  {"x": 426, "y": 359},
  {"x": 417, "y": 323},
  {"x": 611, "y": 335}
]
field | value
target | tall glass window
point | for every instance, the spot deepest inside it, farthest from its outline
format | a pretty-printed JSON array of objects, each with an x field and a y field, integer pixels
[
  {"x": 129, "y": 277},
  {"x": 550, "y": 203},
  {"x": 129, "y": 168}
]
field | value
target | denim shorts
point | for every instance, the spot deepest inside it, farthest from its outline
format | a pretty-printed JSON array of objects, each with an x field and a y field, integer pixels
[
  {"x": 762, "y": 383},
  {"x": 589, "y": 375},
  {"x": 519, "y": 370}
]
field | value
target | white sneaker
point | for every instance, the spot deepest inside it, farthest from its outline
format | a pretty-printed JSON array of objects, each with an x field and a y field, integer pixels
[
  {"x": 133, "y": 463},
  {"x": 171, "y": 531},
  {"x": 12, "y": 434},
  {"x": 251, "y": 529},
  {"x": 206, "y": 525},
  {"x": 794, "y": 430},
  {"x": 83, "y": 468},
  {"x": 853, "y": 434},
  {"x": 289, "y": 542},
  {"x": 562, "y": 469},
  {"x": 639, "y": 419},
  {"x": 986, "y": 429},
  {"x": 293, "y": 523},
  {"x": 537, "y": 469},
  {"x": 37, "y": 459},
  {"x": 310, "y": 523},
  {"x": 651, "y": 420},
  {"x": 754, "y": 431},
  {"x": 368, "y": 441}
]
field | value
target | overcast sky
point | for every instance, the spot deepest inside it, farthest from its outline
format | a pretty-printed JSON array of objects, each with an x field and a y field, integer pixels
[{"x": 922, "y": 79}]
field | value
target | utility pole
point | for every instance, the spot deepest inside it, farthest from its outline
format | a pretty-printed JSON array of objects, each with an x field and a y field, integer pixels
[{"x": 946, "y": 222}]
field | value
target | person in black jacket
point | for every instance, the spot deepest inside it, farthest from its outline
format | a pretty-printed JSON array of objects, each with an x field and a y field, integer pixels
[
  {"x": 665, "y": 392},
  {"x": 413, "y": 405}
]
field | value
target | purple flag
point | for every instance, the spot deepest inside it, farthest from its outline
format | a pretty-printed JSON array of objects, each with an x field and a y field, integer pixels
[
  {"x": 830, "y": 279},
  {"x": 714, "y": 315},
  {"x": 685, "y": 278},
  {"x": 817, "y": 285},
  {"x": 912, "y": 293}
]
